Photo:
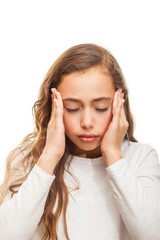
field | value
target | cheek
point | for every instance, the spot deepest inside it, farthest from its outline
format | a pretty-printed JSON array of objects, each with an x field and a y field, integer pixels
[
  {"x": 105, "y": 121},
  {"x": 69, "y": 123}
]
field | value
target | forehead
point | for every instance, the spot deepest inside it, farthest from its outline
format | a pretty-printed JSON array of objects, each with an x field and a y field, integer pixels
[{"x": 91, "y": 83}]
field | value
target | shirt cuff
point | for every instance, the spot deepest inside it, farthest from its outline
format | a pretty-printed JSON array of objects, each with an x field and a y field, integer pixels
[
  {"x": 42, "y": 173},
  {"x": 112, "y": 168}
]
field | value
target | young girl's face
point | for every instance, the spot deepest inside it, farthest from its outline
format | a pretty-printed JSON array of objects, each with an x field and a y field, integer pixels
[{"x": 87, "y": 100}]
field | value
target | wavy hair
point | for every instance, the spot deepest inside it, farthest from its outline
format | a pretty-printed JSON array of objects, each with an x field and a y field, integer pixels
[{"x": 22, "y": 159}]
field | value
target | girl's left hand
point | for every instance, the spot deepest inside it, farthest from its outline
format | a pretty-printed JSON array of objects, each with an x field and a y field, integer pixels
[{"x": 112, "y": 139}]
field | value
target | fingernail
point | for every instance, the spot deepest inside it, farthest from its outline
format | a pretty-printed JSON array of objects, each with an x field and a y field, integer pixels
[
  {"x": 51, "y": 90},
  {"x": 117, "y": 94}
]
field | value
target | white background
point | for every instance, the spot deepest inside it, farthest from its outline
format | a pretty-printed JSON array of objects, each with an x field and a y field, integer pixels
[{"x": 33, "y": 33}]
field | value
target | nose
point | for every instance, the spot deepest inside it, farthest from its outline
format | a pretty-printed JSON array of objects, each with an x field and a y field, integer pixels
[{"x": 87, "y": 119}]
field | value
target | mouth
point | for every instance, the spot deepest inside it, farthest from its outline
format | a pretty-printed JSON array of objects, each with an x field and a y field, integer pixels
[{"x": 87, "y": 137}]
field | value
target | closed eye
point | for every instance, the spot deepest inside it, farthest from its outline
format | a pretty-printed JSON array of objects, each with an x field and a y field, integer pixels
[
  {"x": 102, "y": 109},
  {"x": 71, "y": 110},
  {"x": 98, "y": 109}
]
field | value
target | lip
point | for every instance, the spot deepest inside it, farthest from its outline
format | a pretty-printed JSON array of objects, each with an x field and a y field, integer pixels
[{"x": 87, "y": 137}]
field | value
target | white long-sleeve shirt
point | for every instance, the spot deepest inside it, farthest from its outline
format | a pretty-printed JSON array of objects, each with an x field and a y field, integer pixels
[{"x": 119, "y": 202}]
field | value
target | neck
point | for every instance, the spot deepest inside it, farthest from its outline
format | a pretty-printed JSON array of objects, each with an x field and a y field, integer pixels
[{"x": 95, "y": 153}]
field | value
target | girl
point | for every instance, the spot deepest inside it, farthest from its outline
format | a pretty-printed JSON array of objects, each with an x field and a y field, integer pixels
[{"x": 81, "y": 175}]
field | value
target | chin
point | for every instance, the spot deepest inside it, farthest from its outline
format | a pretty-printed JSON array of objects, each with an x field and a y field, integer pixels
[{"x": 87, "y": 146}]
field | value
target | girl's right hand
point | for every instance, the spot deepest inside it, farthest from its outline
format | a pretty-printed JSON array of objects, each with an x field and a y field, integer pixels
[{"x": 55, "y": 139}]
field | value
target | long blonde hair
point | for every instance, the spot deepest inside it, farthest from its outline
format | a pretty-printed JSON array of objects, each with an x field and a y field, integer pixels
[{"x": 77, "y": 58}]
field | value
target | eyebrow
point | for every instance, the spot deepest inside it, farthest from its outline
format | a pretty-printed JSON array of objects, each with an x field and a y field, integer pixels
[{"x": 107, "y": 99}]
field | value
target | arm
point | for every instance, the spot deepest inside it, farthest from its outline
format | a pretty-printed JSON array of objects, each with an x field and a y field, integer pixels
[
  {"x": 20, "y": 215},
  {"x": 137, "y": 193}
]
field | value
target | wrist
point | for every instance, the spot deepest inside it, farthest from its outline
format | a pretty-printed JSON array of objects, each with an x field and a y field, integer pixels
[
  {"x": 111, "y": 156},
  {"x": 50, "y": 153},
  {"x": 48, "y": 162}
]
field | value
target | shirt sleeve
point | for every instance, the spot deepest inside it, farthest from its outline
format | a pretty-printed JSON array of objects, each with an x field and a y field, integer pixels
[
  {"x": 137, "y": 194},
  {"x": 20, "y": 215}
]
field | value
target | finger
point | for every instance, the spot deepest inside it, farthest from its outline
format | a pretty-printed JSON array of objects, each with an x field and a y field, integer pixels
[
  {"x": 115, "y": 101},
  {"x": 123, "y": 120},
  {"x": 58, "y": 112},
  {"x": 120, "y": 93},
  {"x": 53, "y": 104},
  {"x": 123, "y": 115},
  {"x": 56, "y": 98},
  {"x": 118, "y": 99},
  {"x": 123, "y": 112},
  {"x": 117, "y": 117},
  {"x": 59, "y": 98}
]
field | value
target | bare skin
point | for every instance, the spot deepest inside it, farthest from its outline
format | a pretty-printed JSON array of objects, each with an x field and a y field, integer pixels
[
  {"x": 111, "y": 142},
  {"x": 55, "y": 141}
]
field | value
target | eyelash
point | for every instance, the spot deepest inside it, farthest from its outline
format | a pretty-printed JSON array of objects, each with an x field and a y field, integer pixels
[{"x": 98, "y": 109}]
